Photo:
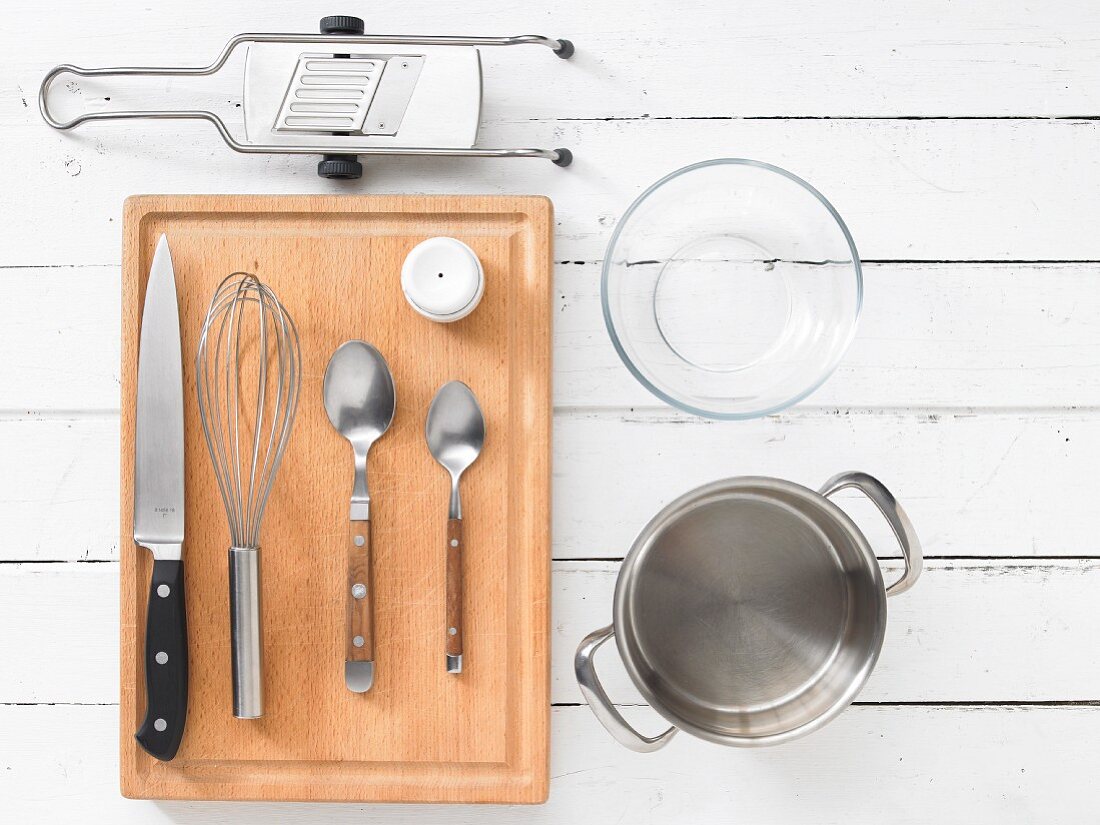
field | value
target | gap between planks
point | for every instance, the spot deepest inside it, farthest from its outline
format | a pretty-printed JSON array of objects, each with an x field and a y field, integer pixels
[
  {"x": 932, "y": 704},
  {"x": 599, "y": 262},
  {"x": 1042, "y": 560},
  {"x": 880, "y": 118},
  {"x": 657, "y": 413}
]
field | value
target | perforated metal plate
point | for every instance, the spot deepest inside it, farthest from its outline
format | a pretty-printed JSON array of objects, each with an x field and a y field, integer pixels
[{"x": 328, "y": 94}]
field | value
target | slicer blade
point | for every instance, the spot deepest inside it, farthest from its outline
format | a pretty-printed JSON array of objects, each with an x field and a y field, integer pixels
[
  {"x": 394, "y": 92},
  {"x": 329, "y": 94}
]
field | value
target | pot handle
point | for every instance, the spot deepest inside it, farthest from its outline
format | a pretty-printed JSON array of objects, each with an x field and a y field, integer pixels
[
  {"x": 594, "y": 694},
  {"x": 884, "y": 500}
]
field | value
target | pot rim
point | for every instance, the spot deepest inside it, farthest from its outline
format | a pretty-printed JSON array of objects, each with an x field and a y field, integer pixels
[{"x": 693, "y": 498}]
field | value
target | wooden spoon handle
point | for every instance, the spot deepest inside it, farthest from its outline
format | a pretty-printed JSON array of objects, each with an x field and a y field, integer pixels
[
  {"x": 454, "y": 596},
  {"x": 360, "y": 595}
]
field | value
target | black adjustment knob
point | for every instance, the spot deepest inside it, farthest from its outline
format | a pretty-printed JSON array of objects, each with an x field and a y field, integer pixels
[
  {"x": 340, "y": 167},
  {"x": 342, "y": 24}
]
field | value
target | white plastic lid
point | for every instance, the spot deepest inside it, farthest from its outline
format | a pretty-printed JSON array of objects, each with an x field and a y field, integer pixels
[{"x": 442, "y": 279}]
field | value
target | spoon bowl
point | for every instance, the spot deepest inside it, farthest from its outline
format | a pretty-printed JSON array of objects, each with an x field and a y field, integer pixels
[
  {"x": 455, "y": 432},
  {"x": 359, "y": 393}
]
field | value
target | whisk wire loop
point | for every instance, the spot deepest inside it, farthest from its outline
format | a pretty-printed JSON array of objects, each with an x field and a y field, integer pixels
[{"x": 248, "y": 372}]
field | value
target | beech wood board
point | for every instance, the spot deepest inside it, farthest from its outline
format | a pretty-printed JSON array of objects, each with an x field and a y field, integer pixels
[{"x": 420, "y": 734}]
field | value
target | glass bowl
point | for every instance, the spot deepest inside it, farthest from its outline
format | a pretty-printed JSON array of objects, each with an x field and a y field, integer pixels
[{"x": 731, "y": 288}]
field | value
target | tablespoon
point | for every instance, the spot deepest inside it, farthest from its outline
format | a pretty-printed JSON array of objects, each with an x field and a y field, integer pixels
[{"x": 359, "y": 399}]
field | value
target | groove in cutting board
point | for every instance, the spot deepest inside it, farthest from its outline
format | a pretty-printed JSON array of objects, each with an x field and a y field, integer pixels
[{"x": 420, "y": 734}]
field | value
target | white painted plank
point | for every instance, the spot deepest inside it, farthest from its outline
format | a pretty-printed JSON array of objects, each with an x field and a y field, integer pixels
[
  {"x": 811, "y": 58},
  {"x": 60, "y": 332},
  {"x": 59, "y": 492},
  {"x": 63, "y": 639},
  {"x": 925, "y": 190},
  {"x": 990, "y": 766},
  {"x": 996, "y": 484},
  {"x": 931, "y": 335},
  {"x": 959, "y": 635}
]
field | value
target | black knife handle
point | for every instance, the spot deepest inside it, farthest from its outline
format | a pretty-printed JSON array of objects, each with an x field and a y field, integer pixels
[{"x": 165, "y": 662}]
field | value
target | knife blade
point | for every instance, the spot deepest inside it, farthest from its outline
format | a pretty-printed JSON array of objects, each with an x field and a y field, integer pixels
[{"x": 158, "y": 508}]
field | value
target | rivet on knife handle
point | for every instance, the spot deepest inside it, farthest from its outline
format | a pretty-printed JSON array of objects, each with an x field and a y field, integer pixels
[
  {"x": 359, "y": 658},
  {"x": 454, "y": 596}
]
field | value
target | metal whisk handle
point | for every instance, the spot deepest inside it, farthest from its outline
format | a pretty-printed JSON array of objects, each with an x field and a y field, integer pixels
[{"x": 245, "y": 632}]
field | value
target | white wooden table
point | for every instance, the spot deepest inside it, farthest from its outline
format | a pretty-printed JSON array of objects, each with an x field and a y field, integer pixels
[{"x": 961, "y": 143}]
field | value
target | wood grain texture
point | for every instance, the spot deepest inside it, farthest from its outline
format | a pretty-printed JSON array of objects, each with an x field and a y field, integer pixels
[
  {"x": 976, "y": 482},
  {"x": 360, "y": 610},
  {"x": 960, "y": 635},
  {"x": 418, "y": 735},
  {"x": 455, "y": 555},
  {"x": 931, "y": 335},
  {"x": 912, "y": 765},
  {"x": 643, "y": 58},
  {"x": 926, "y": 190}
]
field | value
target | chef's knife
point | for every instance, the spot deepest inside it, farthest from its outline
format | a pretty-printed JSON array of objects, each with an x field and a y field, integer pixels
[{"x": 158, "y": 508}]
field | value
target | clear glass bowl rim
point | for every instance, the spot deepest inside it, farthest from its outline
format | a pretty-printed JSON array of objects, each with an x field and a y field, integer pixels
[{"x": 637, "y": 373}]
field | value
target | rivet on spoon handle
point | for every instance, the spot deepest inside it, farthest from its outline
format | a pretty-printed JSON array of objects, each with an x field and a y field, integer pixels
[{"x": 454, "y": 596}]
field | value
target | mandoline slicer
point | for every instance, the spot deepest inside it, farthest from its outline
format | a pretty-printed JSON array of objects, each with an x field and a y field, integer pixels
[{"x": 343, "y": 93}]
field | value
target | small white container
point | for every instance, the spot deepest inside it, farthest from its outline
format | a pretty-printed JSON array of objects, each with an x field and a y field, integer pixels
[{"x": 442, "y": 279}]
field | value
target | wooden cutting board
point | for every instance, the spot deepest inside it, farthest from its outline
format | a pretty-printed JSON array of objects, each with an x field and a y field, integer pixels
[{"x": 420, "y": 734}]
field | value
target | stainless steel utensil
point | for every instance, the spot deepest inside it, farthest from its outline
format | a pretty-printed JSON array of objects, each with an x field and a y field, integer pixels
[
  {"x": 248, "y": 372},
  {"x": 342, "y": 93},
  {"x": 455, "y": 431},
  {"x": 749, "y": 611},
  {"x": 359, "y": 399},
  {"x": 158, "y": 508}
]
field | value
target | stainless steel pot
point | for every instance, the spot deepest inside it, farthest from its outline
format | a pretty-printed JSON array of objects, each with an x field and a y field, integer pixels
[{"x": 749, "y": 611}]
